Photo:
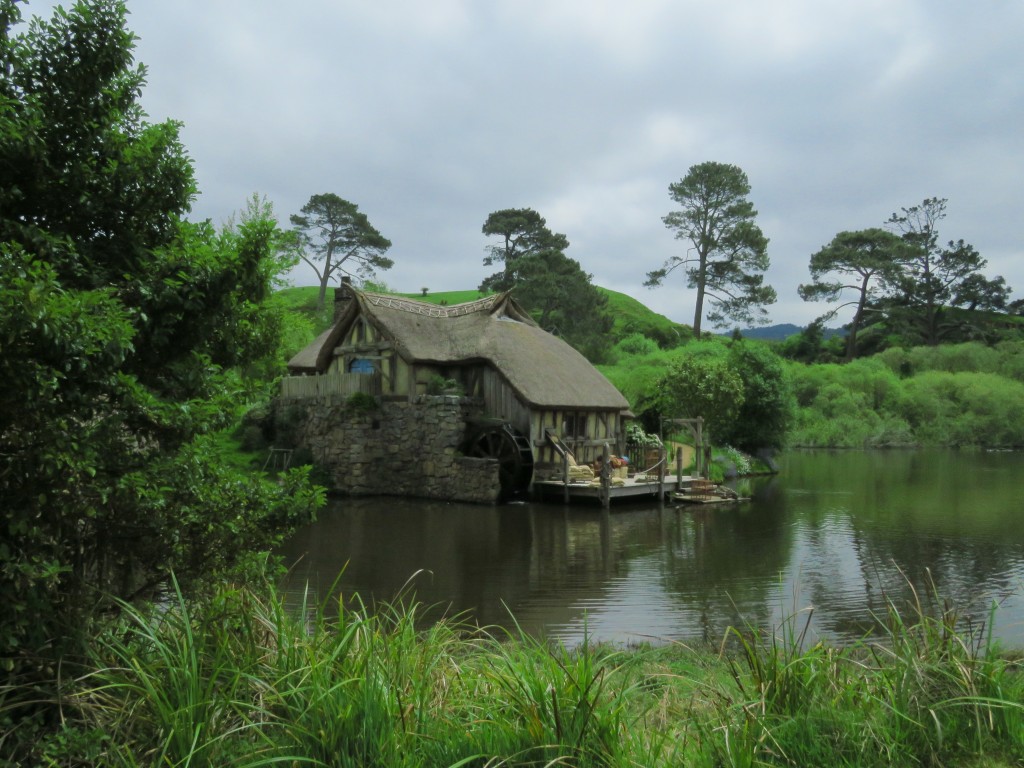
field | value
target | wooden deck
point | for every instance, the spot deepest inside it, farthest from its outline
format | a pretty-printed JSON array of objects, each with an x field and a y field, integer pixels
[{"x": 631, "y": 488}]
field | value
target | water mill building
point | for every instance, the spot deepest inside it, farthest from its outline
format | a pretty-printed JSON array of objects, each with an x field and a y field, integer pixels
[{"x": 469, "y": 402}]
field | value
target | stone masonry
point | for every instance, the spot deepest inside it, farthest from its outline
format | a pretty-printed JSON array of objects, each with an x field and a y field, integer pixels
[{"x": 399, "y": 449}]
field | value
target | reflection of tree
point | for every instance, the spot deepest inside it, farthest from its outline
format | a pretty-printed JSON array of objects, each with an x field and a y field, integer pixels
[
  {"x": 847, "y": 530},
  {"x": 723, "y": 564},
  {"x": 926, "y": 526},
  {"x": 450, "y": 557}
]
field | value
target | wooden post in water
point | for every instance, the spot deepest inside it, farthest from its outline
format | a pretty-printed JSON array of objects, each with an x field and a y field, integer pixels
[
  {"x": 662, "y": 459},
  {"x": 565, "y": 477},
  {"x": 679, "y": 467},
  {"x": 606, "y": 470}
]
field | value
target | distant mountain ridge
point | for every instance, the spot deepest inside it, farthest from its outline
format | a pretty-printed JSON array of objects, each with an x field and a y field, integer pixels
[{"x": 782, "y": 331}]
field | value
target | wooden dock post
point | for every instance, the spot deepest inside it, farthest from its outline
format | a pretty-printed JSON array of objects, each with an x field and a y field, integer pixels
[
  {"x": 606, "y": 472},
  {"x": 662, "y": 460},
  {"x": 565, "y": 476}
]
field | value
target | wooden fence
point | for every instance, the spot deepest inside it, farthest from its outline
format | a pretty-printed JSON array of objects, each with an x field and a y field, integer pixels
[{"x": 337, "y": 384}]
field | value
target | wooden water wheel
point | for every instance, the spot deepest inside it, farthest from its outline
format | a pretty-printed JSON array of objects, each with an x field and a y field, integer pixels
[{"x": 512, "y": 451}]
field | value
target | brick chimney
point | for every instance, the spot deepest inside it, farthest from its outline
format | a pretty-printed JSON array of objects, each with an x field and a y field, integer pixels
[{"x": 343, "y": 296}]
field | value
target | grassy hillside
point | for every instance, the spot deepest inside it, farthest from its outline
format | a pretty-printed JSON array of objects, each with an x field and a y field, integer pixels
[{"x": 630, "y": 316}]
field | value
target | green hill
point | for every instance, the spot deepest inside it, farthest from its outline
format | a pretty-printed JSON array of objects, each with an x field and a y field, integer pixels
[{"x": 629, "y": 315}]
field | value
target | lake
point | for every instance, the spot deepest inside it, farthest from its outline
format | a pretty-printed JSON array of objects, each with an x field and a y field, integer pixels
[{"x": 832, "y": 538}]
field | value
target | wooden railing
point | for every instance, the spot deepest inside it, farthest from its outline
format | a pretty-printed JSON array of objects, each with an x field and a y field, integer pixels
[{"x": 324, "y": 385}]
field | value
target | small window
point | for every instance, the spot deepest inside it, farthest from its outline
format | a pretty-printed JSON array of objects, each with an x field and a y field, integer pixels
[
  {"x": 574, "y": 425},
  {"x": 361, "y": 365}
]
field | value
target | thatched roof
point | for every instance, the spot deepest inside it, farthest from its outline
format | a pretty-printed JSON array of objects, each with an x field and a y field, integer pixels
[{"x": 544, "y": 370}]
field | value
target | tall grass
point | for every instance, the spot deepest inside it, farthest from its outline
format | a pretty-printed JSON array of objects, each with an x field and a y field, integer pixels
[
  {"x": 243, "y": 680},
  {"x": 928, "y": 691}
]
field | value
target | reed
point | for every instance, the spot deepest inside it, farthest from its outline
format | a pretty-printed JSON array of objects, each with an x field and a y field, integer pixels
[
  {"x": 949, "y": 690},
  {"x": 245, "y": 680}
]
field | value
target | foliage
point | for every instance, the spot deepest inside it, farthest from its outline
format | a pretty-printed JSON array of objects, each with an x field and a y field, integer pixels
[
  {"x": 730, "y": 253},
  {"x": 635, "y": 435},
  {"x": 926, "y": 693},
  {"x": 244, "y": 678},
  {"x": 810, "y": 345},
  {"x": 637, "y": 379},
  {"x": 563, "y": 300},
  {"x": 741, "y": 390},
  {"x": 333, "y": 232},
  {"x": 958, "y": 395},
  {"x": 553, "y": 287},
  {"x": 127, "y": 334},
  {"x": 522, "y": 233},
  {"x": 439, "y": 385},
  {"x": 767, "y": 407},
  {"x": 936, "y": 275},
  {"x": 702, "y": 384},
  {"x": 872, "y": 258},
  {"x": 636, "y": 344},
  {"x": 361, "y": 402}
]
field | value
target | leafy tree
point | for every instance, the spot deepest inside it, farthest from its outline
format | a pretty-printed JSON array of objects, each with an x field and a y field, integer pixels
[
  {"x": 124, "y": 330},
  {"x": 871, "y": 258},
  {"x": 523, "y": 233},
  {"x": 741, "y": 390},
  {"x": 701, "y": 385},
  {"x": 550, "y": 285},
  {"x": 729, "y": 253},
  {"x": 564, "y": 301},
  {"x": 767, "y": 408},
  {"x": 332, "y": 232},
  {"x": 935, "y": 273}
]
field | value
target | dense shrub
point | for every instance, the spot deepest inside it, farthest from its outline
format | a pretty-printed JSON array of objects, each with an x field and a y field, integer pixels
[
  {"x": 958, "y": 409},
  {"x": 702, "y": 384},
  {"x": 637, "y": 344},
  {"x": 767, "y": 408}
]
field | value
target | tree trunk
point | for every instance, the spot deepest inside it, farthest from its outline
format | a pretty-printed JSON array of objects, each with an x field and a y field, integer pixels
[
  {"x": 325, "y": 277},
  {"x": 698, "y": 312},
  {"x": 851, "y": 340},
  {"x": 321, "y": 297}
]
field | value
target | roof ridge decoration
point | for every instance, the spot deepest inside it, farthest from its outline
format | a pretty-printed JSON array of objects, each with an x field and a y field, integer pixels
[{"x": 431, "y": 310}]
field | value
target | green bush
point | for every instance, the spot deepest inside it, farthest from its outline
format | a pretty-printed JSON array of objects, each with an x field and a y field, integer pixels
[
  {"x": 361, "y": 402},
  {"x": 959, "y": 409},
  {"x": 767, "y": 408},
  {"x": 636, "y": 344}
]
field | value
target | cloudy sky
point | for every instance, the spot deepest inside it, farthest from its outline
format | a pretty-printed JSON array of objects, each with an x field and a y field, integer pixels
[{"x": 431, "y": 114}]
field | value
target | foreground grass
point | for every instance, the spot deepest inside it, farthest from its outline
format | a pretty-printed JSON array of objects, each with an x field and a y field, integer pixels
[{"x": 246, "y": 681}]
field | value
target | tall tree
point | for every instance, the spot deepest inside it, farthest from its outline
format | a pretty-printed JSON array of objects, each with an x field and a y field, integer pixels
[
  {"x": 728, "y": 253},
  {"x": 872, "y": 258},
  {"x": 935, "y": 273},
  {"x": 333, "y": 235},
  {"x": 123, "y": 331},
  {"x": 554, "y": 288},
  {"x": 522, "y": 233},
  {"x": 560, "y": 295}
]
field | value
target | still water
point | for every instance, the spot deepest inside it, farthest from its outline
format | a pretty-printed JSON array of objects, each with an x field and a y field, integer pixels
[{"x": 832, "y": 537}]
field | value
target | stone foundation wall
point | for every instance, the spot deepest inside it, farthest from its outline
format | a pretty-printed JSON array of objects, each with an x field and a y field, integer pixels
[{"x": 399, "y": 449}]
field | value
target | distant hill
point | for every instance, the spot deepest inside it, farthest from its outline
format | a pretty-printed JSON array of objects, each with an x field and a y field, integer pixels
[{"x": 782, "y": 331}]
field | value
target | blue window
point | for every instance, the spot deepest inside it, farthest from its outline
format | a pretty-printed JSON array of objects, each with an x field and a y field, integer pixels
[{"x": 361, "y": 365}]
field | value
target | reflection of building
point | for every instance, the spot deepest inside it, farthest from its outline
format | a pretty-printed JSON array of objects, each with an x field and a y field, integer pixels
[{"x": 481, "y": 378}]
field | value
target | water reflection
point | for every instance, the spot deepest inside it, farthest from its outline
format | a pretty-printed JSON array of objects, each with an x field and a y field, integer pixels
[{"x": 839, "y": 532}]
